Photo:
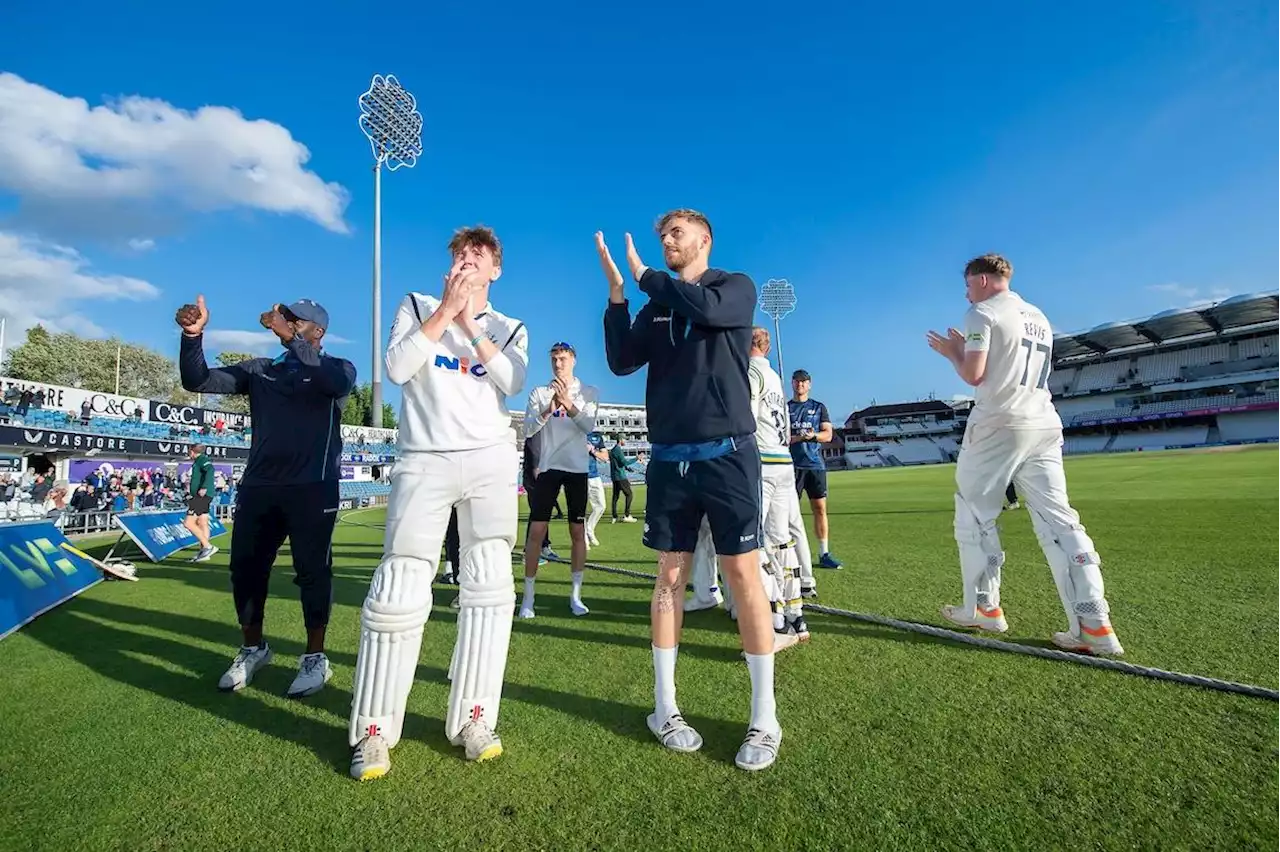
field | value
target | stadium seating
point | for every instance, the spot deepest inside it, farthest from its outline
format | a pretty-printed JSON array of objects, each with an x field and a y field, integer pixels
[
  {"x": 1073, "y": 444},
  {"x": 1177, "y": 437},
  {"x": 356, "y": 490},
  {"x": 1167, "y": 366},
  {"x": 1249, "y": 426},
  {"x": 914, "y": 451},
  {"x": 119, "y": 428},
  {"x": 1108, "y": 374},
  {"x": 1256, "y": 347}
]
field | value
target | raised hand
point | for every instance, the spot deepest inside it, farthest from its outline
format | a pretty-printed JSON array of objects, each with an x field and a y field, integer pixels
[
  {"x": 611, "y": 273},
  {"x": 273, "y": 320},
  {"x": 633, "y": 259},
  {"x": 193, "y": 318},
  {"x": 950, "y": 346},
  {"x": 458, "y": 288}
]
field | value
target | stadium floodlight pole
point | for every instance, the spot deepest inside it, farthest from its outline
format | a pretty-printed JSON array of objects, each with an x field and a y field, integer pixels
[
  {"x": 777, "y": 299},
  {"x": 390, "y": 120}
]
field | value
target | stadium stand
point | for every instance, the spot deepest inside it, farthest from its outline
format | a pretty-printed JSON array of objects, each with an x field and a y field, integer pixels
[{"x": 1188, "y": 377}]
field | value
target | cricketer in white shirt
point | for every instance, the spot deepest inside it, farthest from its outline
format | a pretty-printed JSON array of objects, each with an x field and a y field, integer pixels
[
  {"x": 1014, "y": 435},
  {"x": 457, "y": 449}
]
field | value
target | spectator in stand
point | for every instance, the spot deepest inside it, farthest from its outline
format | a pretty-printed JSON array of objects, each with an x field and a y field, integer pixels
[
  {"x": 86, "y": 412},
  {"x": 40, "y": 488},
  {"x": 150, "y": 497},
  {"x": 24, "y": 401},
  {"x": 8, "y": 488}
]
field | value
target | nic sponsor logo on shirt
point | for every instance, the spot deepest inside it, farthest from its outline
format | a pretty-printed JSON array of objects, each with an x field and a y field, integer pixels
[{"x": 461, "y": 366}]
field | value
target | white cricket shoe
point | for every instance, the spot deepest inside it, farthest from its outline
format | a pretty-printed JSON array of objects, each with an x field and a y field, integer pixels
[
  {"x": 1099, "y": 639},
  {"x": 593, "y": 541},
  {"x": 578, "y": 607},
  {"x": 526, "y": 612},
  {"x": 245, "y": 665},
  {"x": 759, "y": 750},
  {"x": 629, "y": 520},
  {"x": 675, "y": 733},
  {"x": 480, "y": 742},
  {"x": 990, "y": 620},
  {"x": 314, "y": 672},
  {"x": 371, "y": 758}
]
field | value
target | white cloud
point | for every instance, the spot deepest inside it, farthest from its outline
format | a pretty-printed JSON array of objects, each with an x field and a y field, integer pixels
[
  {"x": 45, "y": 283},
  {"x": 1185, "y": 296},
  {"x": 101, "y": 168},
  {"x": 255, "y": 342},
  {"x": 141, "y": 245}
]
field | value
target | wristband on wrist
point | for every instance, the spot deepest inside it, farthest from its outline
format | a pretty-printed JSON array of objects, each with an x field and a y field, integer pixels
[{"x": 476, "y": 340}]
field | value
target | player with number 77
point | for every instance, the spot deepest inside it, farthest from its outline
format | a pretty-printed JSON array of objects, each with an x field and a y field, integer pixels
[{"x": 1014, "y": 434}]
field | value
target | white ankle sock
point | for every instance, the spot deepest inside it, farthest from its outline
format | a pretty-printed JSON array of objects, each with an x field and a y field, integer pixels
[
  {"x": 822, "y": 546},
  {"x": 764, "y": 714},
  {"x": 576, "y": 594},
  {"x": 528, "y": 593},
  {"x": 664, "y": 682}
]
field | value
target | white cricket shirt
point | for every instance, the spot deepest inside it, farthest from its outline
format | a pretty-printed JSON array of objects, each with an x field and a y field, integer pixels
[
  {"x": 1014, "y": 392},
  {"x": 561, "y": 436},
  {"x": 769, "y": 404},
  {"x": 449, "y": 400}
]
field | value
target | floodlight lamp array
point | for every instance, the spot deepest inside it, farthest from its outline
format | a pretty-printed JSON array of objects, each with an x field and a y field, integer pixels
[
  {"x": 777, "y": 298},
  {"x": 390, "y": 119}
]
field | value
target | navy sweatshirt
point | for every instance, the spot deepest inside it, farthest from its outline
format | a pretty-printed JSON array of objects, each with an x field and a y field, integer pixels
[
  {"x": 296, "y": 403},
  {"x": 696, "y": 340}
]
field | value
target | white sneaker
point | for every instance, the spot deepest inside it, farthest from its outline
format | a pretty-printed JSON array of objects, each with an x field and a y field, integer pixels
[
  {"x": 314, "y": 672},
  {"x": 479, "y": 741},
  {"x": 593, "y": 541},
  {"x": 578, "y": 607},
  {"x": 1098, "y": 638},
  {"x": 526, "y": 612},
  {"x": 989, "y": 620},
  {"x": 629, "y": 520},
  {"x": 245, "y": 665},
  {"x": 371, "y": 758},
  {"x": 759, "y": 750},
  {"x": 205, "y": 554},
  {"x": 675, "y": 733}
]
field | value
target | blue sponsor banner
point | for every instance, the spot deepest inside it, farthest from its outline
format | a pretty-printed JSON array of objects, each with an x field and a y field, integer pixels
[
  {"x": 159, "y": 535},
  {"x": 36, "y": 574}
]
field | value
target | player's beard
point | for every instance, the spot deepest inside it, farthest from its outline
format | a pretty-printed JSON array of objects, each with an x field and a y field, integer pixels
[{"x": 680, "y": 258}]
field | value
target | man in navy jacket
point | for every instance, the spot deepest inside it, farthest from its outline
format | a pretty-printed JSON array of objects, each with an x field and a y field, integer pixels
[
  {"x": 694, "y": 334},
  {"x": 290, "y": 484}
]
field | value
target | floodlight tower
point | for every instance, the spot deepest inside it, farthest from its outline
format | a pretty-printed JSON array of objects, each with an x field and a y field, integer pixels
[
  {"x": 777, "y": 299},
  {"x": 390, "y": 119}
]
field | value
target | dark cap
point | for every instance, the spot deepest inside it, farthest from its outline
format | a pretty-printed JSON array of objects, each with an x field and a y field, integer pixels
[
  {"x": 309, "y": 310},
  {"x": 561, "y": 346},
  {"x": 801, "y": 376}
]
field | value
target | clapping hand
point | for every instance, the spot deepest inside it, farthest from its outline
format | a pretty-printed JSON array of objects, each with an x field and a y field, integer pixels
[
  {"x": 274, "y": 321},
  {"x": 459, "y": 286},
  {"x": 950, "y": 347},
  {"x": 193, "y": 318},
  {"x": 560, "y": 394},
  {"x": 633, "y": 259},
  {"x": 611, "y": 273}
]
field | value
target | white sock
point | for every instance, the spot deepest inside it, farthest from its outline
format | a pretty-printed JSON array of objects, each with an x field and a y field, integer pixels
[
  {"x": 822, "y": 546},
  {"x": 664, "y": 682},
  {"x": 576, "y": 594},
  {"x": 448, "y": 568},
  {"x": 764, "y": 712},
  {"x": 528, "y": 593}
]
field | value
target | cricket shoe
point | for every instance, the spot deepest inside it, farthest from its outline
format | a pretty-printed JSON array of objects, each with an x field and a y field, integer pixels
[
  {"x": 1098, "y": 639},
  {"x": 759, "y": 750},
  {"x": 245, "y": 665},
  {"x": 479, "y": 742},
  {"x": 990, "y": 620},
  {"x": 829, "y": 561},
  {"x": 695, "y": 604},
  {"x": 314, "y": 672},
  {"x": 629, "y": 520},
  {"x": 593, "y": 541},
  {"x": 799, "y": 627},
  {"x": 526, "y": 612},
  {"x": 549, "y": 554},
  {"x": 782, "y": 640},
  {"x": 577, "y": 607},
  {"x": 675, "y": 733},
  {"x": 809, "y": 592},
  {"x": 371, "y": 758}
]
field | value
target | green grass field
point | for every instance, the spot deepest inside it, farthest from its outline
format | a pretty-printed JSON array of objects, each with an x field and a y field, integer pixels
[{"x": 115, "y": 737}]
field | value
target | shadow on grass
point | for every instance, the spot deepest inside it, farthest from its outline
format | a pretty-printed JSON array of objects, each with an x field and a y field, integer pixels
[{"x": 114, "y": 651}]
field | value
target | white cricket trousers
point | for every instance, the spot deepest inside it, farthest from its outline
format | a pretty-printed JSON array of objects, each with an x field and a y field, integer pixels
[
  {"x": 425, "y": 487},
  {"x": 595, "y": 499},
  {"x": 991, "y": 458}
]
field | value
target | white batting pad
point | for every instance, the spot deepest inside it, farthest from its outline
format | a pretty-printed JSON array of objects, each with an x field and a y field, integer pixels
[
  {"x": 487, "y": 598},
  {"x": 981, "y": 557},
  {"x": 391, "y": 622},
  {"x": 785, "y": 568},
  {"x": 1076, "y": 568}
]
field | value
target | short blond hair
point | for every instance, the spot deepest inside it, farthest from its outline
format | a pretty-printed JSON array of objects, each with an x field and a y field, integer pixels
[
  {"x": 682, "y": 213},
  {"x": 989, "y": 264},
  {"x": 760, "y": 338}
]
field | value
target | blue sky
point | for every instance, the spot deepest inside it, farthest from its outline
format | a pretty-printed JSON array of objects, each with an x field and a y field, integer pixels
[{"x": 1123, "y": 155}]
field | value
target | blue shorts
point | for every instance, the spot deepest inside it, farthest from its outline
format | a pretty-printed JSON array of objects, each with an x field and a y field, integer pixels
[{"x": 724, "y": 488}]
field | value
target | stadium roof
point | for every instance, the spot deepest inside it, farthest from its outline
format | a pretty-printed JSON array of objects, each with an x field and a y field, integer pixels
[
  {"x": 901, "y": 408},
  {"x": 1214, "y": 318}
]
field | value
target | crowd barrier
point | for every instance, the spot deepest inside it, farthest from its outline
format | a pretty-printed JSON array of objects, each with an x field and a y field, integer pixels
[{"x": 36, "y": 573}]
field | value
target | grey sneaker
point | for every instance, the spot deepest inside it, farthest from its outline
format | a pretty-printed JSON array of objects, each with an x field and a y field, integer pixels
[
  {"x": 759, "y": 750},
  {"x": 313, "y": 673},
  {"x": 371, "y": 758},
  {"x": 205, "y": 554},
  {"x": 245, "y": 665},
  {"x": 675, "y": 733}
]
